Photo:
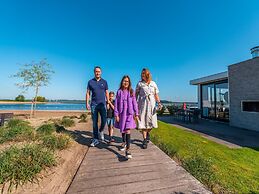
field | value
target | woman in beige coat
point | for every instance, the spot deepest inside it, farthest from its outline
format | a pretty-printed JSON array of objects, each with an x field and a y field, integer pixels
[{"x": 148, "y": 99}]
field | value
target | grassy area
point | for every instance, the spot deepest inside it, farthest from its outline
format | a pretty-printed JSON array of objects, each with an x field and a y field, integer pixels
[
  {"x": 21, "y": 164},
  {"x": 16, "y": 130},
  {"x": 222, "y": 169}
]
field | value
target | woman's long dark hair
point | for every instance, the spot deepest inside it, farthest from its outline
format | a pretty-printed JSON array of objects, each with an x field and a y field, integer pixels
[{"x": 129, "y": 88}]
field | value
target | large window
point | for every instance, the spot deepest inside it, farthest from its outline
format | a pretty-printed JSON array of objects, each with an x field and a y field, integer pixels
[
  {"x": 250, "y": 106},
  {"x": 222, "y": 104},
  {"x": 208, "y": 101},
  {"x": 215, "y": 103}
]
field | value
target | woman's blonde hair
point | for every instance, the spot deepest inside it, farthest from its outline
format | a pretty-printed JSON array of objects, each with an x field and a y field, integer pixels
[{"x": 148, "y": 75}]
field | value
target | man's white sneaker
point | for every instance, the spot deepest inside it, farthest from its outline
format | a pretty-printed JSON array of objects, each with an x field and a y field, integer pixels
[
  {"x": 102, "y": 136},
  {"x": 94, "y": 142}
]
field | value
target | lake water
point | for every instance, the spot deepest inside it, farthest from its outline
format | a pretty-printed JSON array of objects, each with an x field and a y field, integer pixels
[{"x": 79, "y": 107}]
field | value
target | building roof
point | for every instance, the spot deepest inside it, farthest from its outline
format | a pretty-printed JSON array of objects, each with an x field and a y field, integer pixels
[{"x": 210, "y": 78}]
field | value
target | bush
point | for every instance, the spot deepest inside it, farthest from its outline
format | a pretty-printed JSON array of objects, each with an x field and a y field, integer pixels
[
  {"x": 58, "y": 141},
  {"x": 16, "y": 130},
  {"x": 172, "y": 109},
  {"x": 46, "y": 129},
  {"x": 161, "y": 111},
  {"x": 21, "y": 165},
  {"x": 83, "y": 118},
  {"x": 67, "y": 122},
  {"x": 20, "y": 98}
]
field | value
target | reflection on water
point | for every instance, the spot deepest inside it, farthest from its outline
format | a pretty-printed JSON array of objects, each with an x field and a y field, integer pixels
[{"x": 43, "y": 107}]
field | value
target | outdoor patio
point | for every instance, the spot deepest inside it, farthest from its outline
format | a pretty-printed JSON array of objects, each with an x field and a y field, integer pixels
[{"x": 219, "y": 132}]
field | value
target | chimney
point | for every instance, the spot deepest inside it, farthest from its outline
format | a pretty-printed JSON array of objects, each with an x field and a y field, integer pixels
[{"x": 255, "y": 51}]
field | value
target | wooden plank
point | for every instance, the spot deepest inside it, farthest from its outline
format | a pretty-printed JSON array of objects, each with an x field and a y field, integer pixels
[{"x": 105, "y": 170}]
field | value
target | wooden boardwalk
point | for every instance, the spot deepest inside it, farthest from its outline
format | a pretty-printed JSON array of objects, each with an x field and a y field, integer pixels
[{"x": 105, "y": 170}]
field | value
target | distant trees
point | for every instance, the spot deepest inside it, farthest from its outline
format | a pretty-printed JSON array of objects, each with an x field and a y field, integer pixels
[
  {"x": 34, "y": 75},
  {"x": 20, "y": 98},
  {"x": 40, "y": 99}
]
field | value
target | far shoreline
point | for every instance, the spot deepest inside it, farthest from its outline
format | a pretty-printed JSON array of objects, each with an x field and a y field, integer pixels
[{"x": 17, "y": 102}]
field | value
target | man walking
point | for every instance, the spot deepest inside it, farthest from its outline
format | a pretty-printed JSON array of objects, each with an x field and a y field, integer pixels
[{"x": 97, "y": 88}]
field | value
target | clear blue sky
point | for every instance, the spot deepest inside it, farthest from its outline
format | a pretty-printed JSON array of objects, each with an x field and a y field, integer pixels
[{"x": 177, "y": 40}]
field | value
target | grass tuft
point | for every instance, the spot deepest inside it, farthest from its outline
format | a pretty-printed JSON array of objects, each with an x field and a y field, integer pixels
[
  {"x": 57, "y": 141},
  {"x": 16, "y": 130},
  {"x": 21, "y": 165},
  {"x": 46, "y": 129},
  {"x": 67, "y": 122},
  {"x": 83, "y": 118}
]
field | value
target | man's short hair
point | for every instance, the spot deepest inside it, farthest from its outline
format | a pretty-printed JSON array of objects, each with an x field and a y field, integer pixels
[
  {"x": 97, "y": 67},
  {"x": 111, "y": 92}
]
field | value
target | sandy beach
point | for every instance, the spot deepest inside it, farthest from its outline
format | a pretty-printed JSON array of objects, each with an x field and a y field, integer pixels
[{"x": 68, "y": 159}]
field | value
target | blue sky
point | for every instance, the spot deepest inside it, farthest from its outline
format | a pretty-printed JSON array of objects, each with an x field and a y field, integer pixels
[{"x": 177, "y": 40}]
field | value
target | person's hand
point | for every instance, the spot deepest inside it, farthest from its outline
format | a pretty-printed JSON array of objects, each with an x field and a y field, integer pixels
[
  {"x": 117, "y": 119},
  {"x": 88, "y": 106},
  {"x": 160, "y": 106},
  {"x": 136, "y": 117}
]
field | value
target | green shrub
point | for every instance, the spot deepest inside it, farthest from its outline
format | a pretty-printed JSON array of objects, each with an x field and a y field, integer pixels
[
  {"x": 46, "y": 129},
  {"x": 67, "y": 122},
  {"x": 58, "y": 141},
  {"x": 21, "y": 165},
  {"x": 161, "y": 111},
  {"x": 83, "y": 118},
  {"x": 16, "y": 130}
]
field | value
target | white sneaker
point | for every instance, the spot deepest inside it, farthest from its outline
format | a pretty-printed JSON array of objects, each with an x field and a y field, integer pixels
[
  {"x": 101, "y": 135},
  {"x": 123, "y": 147},
  {"x": 128, "y": 155},
  {"x": 94, "y": 142}
]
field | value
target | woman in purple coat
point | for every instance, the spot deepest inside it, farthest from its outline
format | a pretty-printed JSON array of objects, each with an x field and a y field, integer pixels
[{"x": 125, "y": 112}]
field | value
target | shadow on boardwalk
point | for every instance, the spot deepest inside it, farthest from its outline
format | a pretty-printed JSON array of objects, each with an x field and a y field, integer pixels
[
  {"x": 220, "y": 132},
  {"x": 105, "y": 170},
  {"x": 85, "y": 137}
]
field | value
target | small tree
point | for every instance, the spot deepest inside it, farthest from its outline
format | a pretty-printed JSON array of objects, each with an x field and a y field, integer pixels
[
  {"x": 34, "y": 75},
  {"x": 20, "y": 98}
]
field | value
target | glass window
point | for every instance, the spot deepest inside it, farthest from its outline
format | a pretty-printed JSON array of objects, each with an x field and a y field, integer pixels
[
  {"x": 250, "y": 106},
  {"x": 222, "y": 103},
  {"x": 208, "y": 102},
  {"x": 215, "y": 102}
]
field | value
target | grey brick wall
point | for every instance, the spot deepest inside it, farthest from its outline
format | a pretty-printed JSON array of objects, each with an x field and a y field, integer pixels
[{"x": 244, "y": 85}]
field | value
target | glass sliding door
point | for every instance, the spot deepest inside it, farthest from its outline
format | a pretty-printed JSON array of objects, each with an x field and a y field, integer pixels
[
  {"x": 215, "y": 103},
  {"x": 222, "y": 103},
  {"x": 208, "y": 101}
]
